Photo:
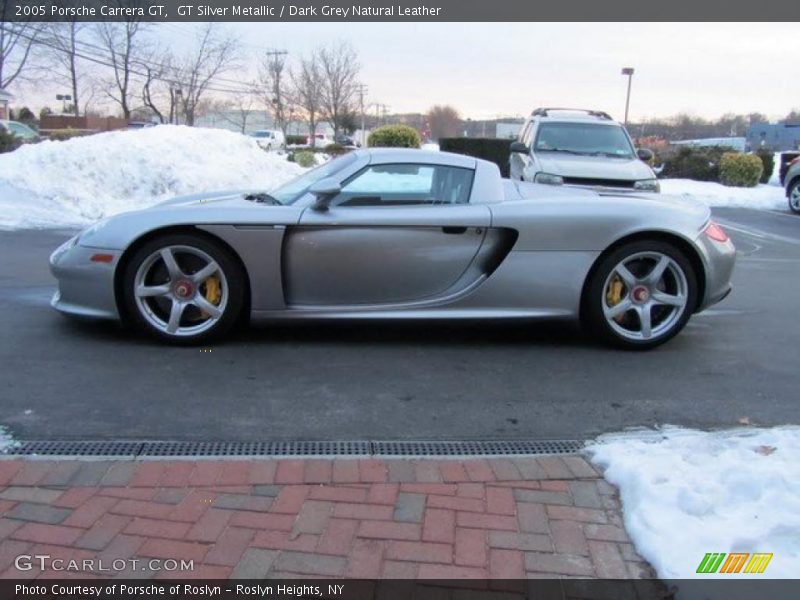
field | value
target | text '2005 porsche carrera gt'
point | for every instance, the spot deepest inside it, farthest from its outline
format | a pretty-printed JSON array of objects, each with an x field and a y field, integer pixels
[{"x": 400, "y": 234}]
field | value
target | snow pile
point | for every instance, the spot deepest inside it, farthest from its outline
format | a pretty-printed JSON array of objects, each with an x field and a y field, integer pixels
[
  {"x": 84, "y": 179},
  {"x": 685, "y": 493},
  {"x": 767, "y": 197}
]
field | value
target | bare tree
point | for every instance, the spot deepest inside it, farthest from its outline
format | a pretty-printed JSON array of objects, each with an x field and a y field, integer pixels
[
  {"x": 236, "y": 111},
  {"x": 63, "y": 43},
  {"x": 17, "y": 40},
  {"x": 158, "y": 84},
  {"x": 307, "y": 82},
  {"x": 273, "y": 76},
  {"x": 444, "y": 121},
  {"x": 339, "y": 68},
  {"x": 213, "y": 55},
  {"x": 122, "y": 42}
]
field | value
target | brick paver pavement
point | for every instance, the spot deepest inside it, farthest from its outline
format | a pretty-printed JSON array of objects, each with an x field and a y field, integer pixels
[{"x": 504, "y": 518}]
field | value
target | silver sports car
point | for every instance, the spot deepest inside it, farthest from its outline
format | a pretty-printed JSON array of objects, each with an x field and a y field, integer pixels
[{"x": 400, "y": 234}]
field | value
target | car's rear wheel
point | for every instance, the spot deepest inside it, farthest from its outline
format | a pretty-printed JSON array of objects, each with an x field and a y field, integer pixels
[
  {"x": 794, "y": 196},
  {"x": 641, "y": 295},
  {"x": 184, "y": 289}
]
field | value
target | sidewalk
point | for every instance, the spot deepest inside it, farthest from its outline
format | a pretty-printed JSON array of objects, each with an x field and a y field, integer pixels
[{"x": 506, "y": 518}]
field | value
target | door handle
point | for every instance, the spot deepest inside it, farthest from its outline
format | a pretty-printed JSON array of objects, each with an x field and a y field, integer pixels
[{"x": 454, "y": 230}]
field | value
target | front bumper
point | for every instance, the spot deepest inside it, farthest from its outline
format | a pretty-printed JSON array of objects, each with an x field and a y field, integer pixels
[
  {"x": 718, "y": 260},
  {"x": 85, "y": 287}
]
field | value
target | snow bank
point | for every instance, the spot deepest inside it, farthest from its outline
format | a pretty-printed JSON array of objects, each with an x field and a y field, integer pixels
[
  {"x": 685, "y": 493},
  {"x": 79, "y": 181},
  {"x": 767, "y": 197}
]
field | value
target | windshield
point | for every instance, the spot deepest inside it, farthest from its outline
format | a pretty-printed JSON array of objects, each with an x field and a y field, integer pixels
[
  {"x": 588, "y": 139},
  {"x": 20, "y": 130},
  {"x": 290, "y": 192},
  {"x": 260, "y": 134}
]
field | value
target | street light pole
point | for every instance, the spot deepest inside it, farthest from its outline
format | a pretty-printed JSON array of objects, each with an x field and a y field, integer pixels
[{"x": 629, "y": 72}]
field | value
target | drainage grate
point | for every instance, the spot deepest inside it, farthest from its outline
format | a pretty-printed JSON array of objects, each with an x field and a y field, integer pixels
[
  {"x": 76, "y": 448},
  {"x": 321, "y": 448},
  {"x": 476, "y": 448},
  {"x": 255, "y": 449}
]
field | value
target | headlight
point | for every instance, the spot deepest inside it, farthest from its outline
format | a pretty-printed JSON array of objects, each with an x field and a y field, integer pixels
[
  {"x": 90, "y": 231},
  {"x": 549, "y": 179},
  {"x": 647, "y": 185}
]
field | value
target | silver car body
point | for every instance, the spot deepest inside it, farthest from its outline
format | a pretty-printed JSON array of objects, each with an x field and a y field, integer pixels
[
  {"x": 514, "y": 250},
  {"x": 598, "y": 172}
]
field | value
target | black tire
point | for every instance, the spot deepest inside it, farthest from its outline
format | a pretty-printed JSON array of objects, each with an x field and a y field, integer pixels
[
  {"x": 794, "y": 189},
  {"x": 592, "y": 313},
  {"x": 231, "y": 271}
]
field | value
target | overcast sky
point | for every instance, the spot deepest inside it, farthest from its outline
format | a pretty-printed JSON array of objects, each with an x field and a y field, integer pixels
[{"x": 491, "y": 69}]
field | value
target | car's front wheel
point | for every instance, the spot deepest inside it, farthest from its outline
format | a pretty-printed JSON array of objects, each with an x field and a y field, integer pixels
[
  {"x": 794, "y": 196},
  {"x": 184, "y": 289},
  {"x": 641, "y": 295}
]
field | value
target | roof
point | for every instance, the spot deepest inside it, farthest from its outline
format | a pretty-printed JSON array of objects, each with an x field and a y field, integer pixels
[
  {"x": 411, "y": 155},
  {"x": 4, "y": 95}
]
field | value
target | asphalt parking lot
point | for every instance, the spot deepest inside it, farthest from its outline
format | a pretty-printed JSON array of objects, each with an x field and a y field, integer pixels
[{"x": 61, "y": 379}]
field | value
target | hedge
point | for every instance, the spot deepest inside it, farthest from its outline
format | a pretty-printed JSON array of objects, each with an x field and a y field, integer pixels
[
  {"x": 394, "y": 136},
  {"x": 296, "y": 140},
  {"x": 304, "y": 158},
  {"x": 8, "y": 141},
  {"x": 491, "y": 149},
  {"x": 740, "y": 170},
  {"x": 700, "y": 163},
  {"x": 768, "y": 160}
]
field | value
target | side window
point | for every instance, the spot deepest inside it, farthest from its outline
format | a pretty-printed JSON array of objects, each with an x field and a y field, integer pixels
[{"x": 406, "y": 185}]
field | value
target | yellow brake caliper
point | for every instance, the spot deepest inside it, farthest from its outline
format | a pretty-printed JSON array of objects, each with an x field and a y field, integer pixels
[
  {"x": 211, "y": 292},
  {"x": 614, "y": 295}
]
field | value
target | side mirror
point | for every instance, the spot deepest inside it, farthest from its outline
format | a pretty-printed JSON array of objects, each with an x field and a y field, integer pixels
[
  {"x": 519, "y": 147},
  {"x": 324, "y": 189},
  {"x": 645, "y": 154}
]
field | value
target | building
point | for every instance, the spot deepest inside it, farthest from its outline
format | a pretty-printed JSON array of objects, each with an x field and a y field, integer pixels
[
  {"x": 507, "y": 131},
  {"x": 253, "y": 120},
  {"x": 736, "y": 143},
  {"x": 5, "y": 98},
  {"x": 779, "y": 137}
]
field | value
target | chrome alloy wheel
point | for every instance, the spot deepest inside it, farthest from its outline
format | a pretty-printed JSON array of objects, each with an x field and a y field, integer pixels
[
  {"x": 645, "y": 295},
  {"x": 180, "y": 290},
  {"x": 794, "y": 198}
]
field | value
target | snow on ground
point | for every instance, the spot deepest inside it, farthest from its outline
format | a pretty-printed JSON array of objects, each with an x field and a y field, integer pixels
[
  {"x": 685, "y": 493},
  {"x": 76, "y": 182},
  {"x": 767, "y": 197},
  {"x": 6, "y": 441}
]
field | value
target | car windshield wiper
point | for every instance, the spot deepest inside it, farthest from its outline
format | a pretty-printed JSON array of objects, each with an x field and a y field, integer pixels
[
  {"x": 564, "y": 150},
  {"x": 609, "y": 154},
  {"x": 263, "y": 198}
]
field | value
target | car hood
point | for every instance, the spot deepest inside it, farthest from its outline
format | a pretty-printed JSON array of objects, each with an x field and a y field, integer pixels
[
  {"x": 208, "y": 208},
  {"x": 593, "y": 167}
]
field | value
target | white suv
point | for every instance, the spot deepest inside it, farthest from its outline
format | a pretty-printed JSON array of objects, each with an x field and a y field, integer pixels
[
  {"x": 269, "y": 139},
  {"x": 583, "y": 148}
]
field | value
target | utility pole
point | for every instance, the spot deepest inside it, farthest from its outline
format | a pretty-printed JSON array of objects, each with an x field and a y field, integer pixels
[
  {"x": 362, "y": 89},
  {"x": 629, "y": 72}
]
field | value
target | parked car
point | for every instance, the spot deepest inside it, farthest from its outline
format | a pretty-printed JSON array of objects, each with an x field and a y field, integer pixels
[
  {"x": 140, "y": 124},
  {"x": 20, "y": 130},
  {"x": 580, "y": 148},
  {"x": 345, "y": 140},
  {"x": 320, "y": 140},
  {"x": 390, "y": 233},
  {"x": 269, "y": 139},
  {"x": 792, "y": 182}
]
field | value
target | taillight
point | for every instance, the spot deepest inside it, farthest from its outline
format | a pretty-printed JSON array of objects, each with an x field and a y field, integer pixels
[{"x": 715, "y": 232}]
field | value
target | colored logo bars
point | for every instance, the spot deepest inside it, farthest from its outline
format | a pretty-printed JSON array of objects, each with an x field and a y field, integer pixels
[{"x": 716, "y": 562}]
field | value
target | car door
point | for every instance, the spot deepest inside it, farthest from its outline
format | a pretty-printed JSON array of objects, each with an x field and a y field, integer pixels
[{"x": 395, "y": 233}]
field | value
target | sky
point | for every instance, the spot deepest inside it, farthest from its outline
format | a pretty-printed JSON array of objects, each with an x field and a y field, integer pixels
[{"x": 488, "y": 70}]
